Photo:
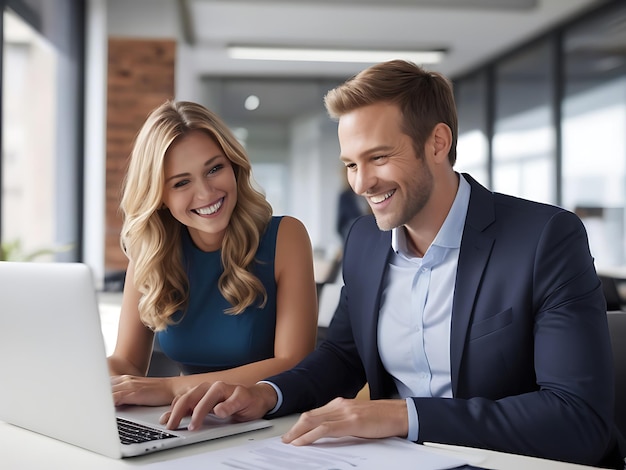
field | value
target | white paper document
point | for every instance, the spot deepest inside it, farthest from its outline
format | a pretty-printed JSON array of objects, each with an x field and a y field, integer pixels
[{"x": 347, "y": 453}]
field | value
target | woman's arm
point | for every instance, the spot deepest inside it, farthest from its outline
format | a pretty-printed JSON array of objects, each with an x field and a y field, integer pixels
[
  {"x": 296, "y": 327},
  {"x": 134, "y": 340}
]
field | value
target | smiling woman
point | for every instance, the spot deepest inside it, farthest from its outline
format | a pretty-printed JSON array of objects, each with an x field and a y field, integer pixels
[
  {"x": 227, "y": 288},
  {"x": 200, "y": 193}
]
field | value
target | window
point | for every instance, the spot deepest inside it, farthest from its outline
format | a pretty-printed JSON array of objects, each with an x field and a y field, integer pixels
[
  {"x": 594, "y": 142},
  {"x": 524, "y": 160},
  {"x": 29, "y": 135},
  {"x": 41, "y": 133},
  {"x": 473, "y": 141}
]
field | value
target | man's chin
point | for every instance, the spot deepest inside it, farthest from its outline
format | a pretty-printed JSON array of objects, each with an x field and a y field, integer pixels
[{"x": 384, "y": 224}]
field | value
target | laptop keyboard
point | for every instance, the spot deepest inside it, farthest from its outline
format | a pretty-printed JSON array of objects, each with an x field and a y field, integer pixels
[{"x": 133, "y": 433}]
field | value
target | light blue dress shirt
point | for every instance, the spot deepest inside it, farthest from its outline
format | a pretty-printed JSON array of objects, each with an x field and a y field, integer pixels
[
  {"x": 416, "y": 310},
  {"x": 414, "y": 342}
]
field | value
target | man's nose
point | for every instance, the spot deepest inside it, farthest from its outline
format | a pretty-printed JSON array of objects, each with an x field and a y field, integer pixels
[{"x": 362, "y": 181}]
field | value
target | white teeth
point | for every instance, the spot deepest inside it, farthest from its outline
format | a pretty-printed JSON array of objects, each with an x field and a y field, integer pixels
[
  {"x": 211, "y": 209},
  {"x": 378, "y": 199}
]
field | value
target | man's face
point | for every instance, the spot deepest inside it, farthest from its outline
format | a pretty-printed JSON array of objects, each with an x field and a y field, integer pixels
[{"x": 382, "y": 165}]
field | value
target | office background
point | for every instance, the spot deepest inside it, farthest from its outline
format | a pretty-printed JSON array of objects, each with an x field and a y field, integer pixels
[{"x": 542, "y": 109}]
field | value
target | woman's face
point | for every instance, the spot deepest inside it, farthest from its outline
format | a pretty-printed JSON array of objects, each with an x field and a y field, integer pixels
[{"x": 200, "y": 188}]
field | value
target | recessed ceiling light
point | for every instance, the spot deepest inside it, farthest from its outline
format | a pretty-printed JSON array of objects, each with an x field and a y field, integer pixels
[{"x": 252, "y": 102}]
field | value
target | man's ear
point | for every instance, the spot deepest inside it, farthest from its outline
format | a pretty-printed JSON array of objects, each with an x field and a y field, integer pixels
[{"x": 442, "y": 141}]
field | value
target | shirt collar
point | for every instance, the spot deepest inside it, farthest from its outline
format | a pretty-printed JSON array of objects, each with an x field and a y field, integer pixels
[{"x": 451, "y": 232}]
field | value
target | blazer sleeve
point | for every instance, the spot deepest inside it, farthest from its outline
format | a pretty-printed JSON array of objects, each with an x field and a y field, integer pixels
[
  {"x": 332, "y": 370},
  {"x": 551, "y": 302}
]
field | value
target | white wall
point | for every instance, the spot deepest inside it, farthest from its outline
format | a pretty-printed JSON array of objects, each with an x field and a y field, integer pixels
[
  {"x": 143, "y": 18},
  {"x": 315, "y": 180}
]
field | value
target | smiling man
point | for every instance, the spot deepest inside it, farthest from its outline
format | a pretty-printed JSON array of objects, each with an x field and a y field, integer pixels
[{"x": 476, "y": 318}]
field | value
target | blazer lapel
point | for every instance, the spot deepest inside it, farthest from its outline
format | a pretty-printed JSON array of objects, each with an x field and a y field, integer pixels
[
  {"x": 475, "y": 249},
  {"x": 374, "y": 290},
  {"x": 375, "y": 251}
]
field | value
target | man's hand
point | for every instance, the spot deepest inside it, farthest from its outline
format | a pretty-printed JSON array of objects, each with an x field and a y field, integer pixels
[
  {"x": 344, "y": 417},
  {"x": 223, "y": 400}
]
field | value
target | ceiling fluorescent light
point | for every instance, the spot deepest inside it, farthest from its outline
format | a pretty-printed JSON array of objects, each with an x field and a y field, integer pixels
[{"x": 332, "y": 55}]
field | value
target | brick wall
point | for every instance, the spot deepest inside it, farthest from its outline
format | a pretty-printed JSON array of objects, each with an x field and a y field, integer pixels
[{"x": 140, "y": 77}]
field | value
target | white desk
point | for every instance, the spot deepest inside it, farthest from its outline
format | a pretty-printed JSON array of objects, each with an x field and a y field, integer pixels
[{"x": 21, "y": 449}]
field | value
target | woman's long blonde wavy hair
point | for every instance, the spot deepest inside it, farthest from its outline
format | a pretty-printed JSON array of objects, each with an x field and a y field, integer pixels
[{"x": 151, "y": 236}]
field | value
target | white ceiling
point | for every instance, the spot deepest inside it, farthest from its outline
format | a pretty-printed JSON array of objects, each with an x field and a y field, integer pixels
[{"x": 471, "y": 31}]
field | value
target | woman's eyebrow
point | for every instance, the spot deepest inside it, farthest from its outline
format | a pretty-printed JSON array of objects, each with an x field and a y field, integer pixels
[{"x": 209, "y": 162}]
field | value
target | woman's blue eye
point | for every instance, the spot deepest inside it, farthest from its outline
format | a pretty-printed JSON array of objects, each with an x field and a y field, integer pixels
[
  {"x": 216, "y": 168},
  {"x": 180, "y": 184}
]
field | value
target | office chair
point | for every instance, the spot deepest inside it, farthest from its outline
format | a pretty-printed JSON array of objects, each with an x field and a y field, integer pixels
[
  {"x": 611, "y": 294},
  {"x": 160, "y": 364},
  {"x": 617, "y": 329},
  {"x": 327, "y": 301}
]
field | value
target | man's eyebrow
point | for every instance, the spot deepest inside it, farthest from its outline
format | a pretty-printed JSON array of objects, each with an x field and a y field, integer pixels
[
  {"x": 209, "y": 162},
  {"x": 373, "y": 150}
]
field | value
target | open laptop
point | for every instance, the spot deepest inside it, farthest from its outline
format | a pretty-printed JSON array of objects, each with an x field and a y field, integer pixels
[{"x": 54, "y": 373}]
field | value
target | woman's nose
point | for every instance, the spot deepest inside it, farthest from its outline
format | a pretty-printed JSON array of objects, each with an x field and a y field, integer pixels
[{"x": 204, "y": 190}]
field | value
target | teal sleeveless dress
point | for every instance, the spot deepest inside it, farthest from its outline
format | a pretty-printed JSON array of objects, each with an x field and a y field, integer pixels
[{"x": 205, "y": 339}]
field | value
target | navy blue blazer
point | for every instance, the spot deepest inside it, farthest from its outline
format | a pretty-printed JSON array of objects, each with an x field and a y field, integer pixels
[{"x": 531, "y": 363}]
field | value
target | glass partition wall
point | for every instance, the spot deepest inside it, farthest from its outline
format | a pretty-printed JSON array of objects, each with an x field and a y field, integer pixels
[
  {"x": 594, "y": 131},
  {"x": 473, "y": 147},
  {"x": 524, "y": 159},
  {"x": 547, "y": 122}
]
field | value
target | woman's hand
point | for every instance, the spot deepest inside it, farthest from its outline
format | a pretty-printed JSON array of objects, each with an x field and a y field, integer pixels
[{"x": 149, "y": 391}]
